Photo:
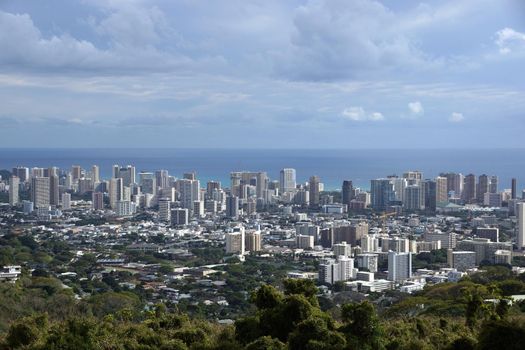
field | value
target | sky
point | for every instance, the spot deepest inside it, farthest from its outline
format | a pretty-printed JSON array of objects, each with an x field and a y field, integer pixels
[{"x": 262, "y": 74}]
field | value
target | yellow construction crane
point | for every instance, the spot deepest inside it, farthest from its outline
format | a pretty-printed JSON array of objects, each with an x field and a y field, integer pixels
[{"x": 383, "y": 218}]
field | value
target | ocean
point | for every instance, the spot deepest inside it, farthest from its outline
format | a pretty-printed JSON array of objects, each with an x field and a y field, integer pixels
[{"x": 333, "y": 166}]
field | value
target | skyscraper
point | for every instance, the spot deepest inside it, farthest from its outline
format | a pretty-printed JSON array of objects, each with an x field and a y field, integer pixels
[
  {"x": 469, "y": 189},
  {"x": 95, "y": 175},
  {"x": 189, "y": 192},
  {"x": 97, "y": 201},
  {"x": 14, "y": 183},
  {"x": 76, "y": 171},
  {"x": 348, "y": 192},
  {"x": 232, "y": 207},
  {"x": 235, "y": 241},
  {"x": 431, "y": 195},
  {"x": 381, "y": 193},
  {"x": 116, "y": 191},
  {"x": 520, "y": 241},
  {"x": 482, "y": 187},
  {"x": 399, "y": 266},
  {"x": 162, "y": 178},
  {"x": 288, "y": 180},
  {"x": 54, "y": 192},
  {"x": 313, "y": 188},
  {"x": 66, "y": 201},
  {"x": 514, "y": 189},
  {"x": 454, "y": 183},
  {"x": 493, "y": 188},
  {"x": 164, "y": 209},
  {"x": 441, "y": 189},
  {"x": 413, "y": 197},
  {"x": 40, "y": 192}
]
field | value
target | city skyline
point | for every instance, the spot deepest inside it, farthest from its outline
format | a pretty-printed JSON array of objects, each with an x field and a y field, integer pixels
[{"x": 274, "y": 74}]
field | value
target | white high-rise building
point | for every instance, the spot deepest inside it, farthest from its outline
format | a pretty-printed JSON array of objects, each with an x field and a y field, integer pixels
[
  {"x": 66, "y": 201},
  {"x": 253, "y": 241},
  {"x": 198, "y": 209},
  {"x": 521, "y": 225},
  {"x": 341, "y": 249},
  {"x": 95, "y": 175},
  {"x": 179, "y": 216},
  {"x": 235, "y": 241},
  {"x": 288, "y": 180},
  {"x": 14, "y": 183},
  {"x": 40, "y": 192},
  {"x": 189, "y": 192},
  {"x": 164, "y": 209},
  {"x": 116, "y": 191},
  {"x": 399, "y": 266}
]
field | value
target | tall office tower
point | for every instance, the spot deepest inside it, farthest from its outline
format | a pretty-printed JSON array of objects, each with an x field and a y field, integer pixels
[
  {"x": 54, "y": 191},
  {"x": 313, "y": 189},
  {"x": 482, "y": 187},
  {"x": 180, "y": 216},
  {"x": 232, "y": 207},
  {"x": 97, "y": 201},
  {"x": 521, "y": 225},
  {"x": 189, "y": 192},
  {"x": 235, "y": 241},
  {"x": 348, "y": 192},
  {"x": 164, "y": 209},
  {"x": 51, "y": 171},
  {"x": 253, "y": 241},
  {"x": 514, "y": 189},
  {"x": 413, "y": 177},
  {"x": 493, "y": 188},
  {"x": 454, "y": 183},
  {"x": 257, "y": 179},
  {"x": 431, "y": 189},
  {"x": 95, "y": 175},
  {"x": 116, "y": 192},
  {"x": 14, "y": 183},
  {"x": 66, "y": 201},
  {"x": 148, "y": 183},
  {"x": 40, "y": 192},
  {"x": 127, "y": 174},
  {"x": 198, "y": 209},
  {"x": 162, "y": 178},
  {"x": 212, "y": 187},
  {"x": 22, "y": 173},
  {"x": 37, "y": 172},
  {"x": 76, "y": 171},
  {"x": 115, "y": 171},
  {"x": 399, "y": 266},
  {"x": 288, "y": 181},
  {"x": 469, "y": 189},
  {"x": 190, "y": 176},
  {"x": 441, "y": 189},
  {"x": 399, "y": 188},
  {"x": 413, "y": 197},
  {"x": 381, "y": 193}
]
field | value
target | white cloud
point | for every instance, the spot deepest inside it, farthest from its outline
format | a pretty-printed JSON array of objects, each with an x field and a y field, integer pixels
[
  {"x": 456, "y": 117},
  {"x": 359, "y": 114},
  {"x": 509, "y": 40},
  {"x": 416, "y": 108}
]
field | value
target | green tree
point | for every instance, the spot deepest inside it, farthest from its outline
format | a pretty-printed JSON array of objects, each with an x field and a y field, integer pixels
[{"x": 362, "y": 327}]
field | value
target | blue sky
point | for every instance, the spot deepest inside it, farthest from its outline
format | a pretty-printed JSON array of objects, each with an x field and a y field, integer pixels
[{"x": 262, "y": 74}]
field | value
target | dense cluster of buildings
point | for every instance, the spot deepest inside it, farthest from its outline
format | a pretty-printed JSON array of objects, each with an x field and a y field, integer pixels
[{"x": 367, "y": 239}]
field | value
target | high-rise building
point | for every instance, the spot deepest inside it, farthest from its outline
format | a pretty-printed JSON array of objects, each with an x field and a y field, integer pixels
[
  {"x": 414, "y": 196},
  {"x": 257, "y": 179},
  {"x": 313, "y": 188},
  {"x": 127, "y": 174},
  {"x": 95, "y": 175},
  {"x": 189, "y": 192},
  {"x": 521, "y": 225},
  {"x": 381, "y": 193},
  {"x": 482, "y": 187},
  {"x": 198, "y": 209},
  {"x": 342, "y": 249},
  {"x": 211, "y": 188},
  {"x": 22, "y": 173},
  {"x": 413, "y": 175},
  {"x": 164, "y": 209},
  {"x": 367, "y": 262},
  {"x": 430, "y": 187},
  {"x": 76, "y": 172},
  {"x": 40, "y": 192},
  {"x": 179, "y": 216},
  {"x": 97, "y": 201},
  {"x": 162, "y": 178},
  {"x": 232, "y": 207},
  {"x": 347, "y": 192},
  {"x": 441, "y": 189},
  {"x": 514, "y": 189},
  {"x": 288, "y": 181},
  {"x": 54, "y": 191},
  {"x": 66, "y": 201},
  {"x": 399, "y": 266},
  {"x": 469, "y": 189},
  {"x": 253, "y": 241},
  {"x": 454, "y": 183},
  {"x": 116, "y": 191},
  {"x": 235, "y": 241},
  {"x": 493, "y": 187},
  {"x": 14, "y": 184},
  {"x": 148, "y": 183}
]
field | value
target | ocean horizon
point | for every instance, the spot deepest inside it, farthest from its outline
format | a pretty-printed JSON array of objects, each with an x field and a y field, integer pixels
[{"x": 332, "y": 165}]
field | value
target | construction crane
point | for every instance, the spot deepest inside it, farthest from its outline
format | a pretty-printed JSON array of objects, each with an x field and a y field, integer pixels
[{"x": 383, "y": 218}]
